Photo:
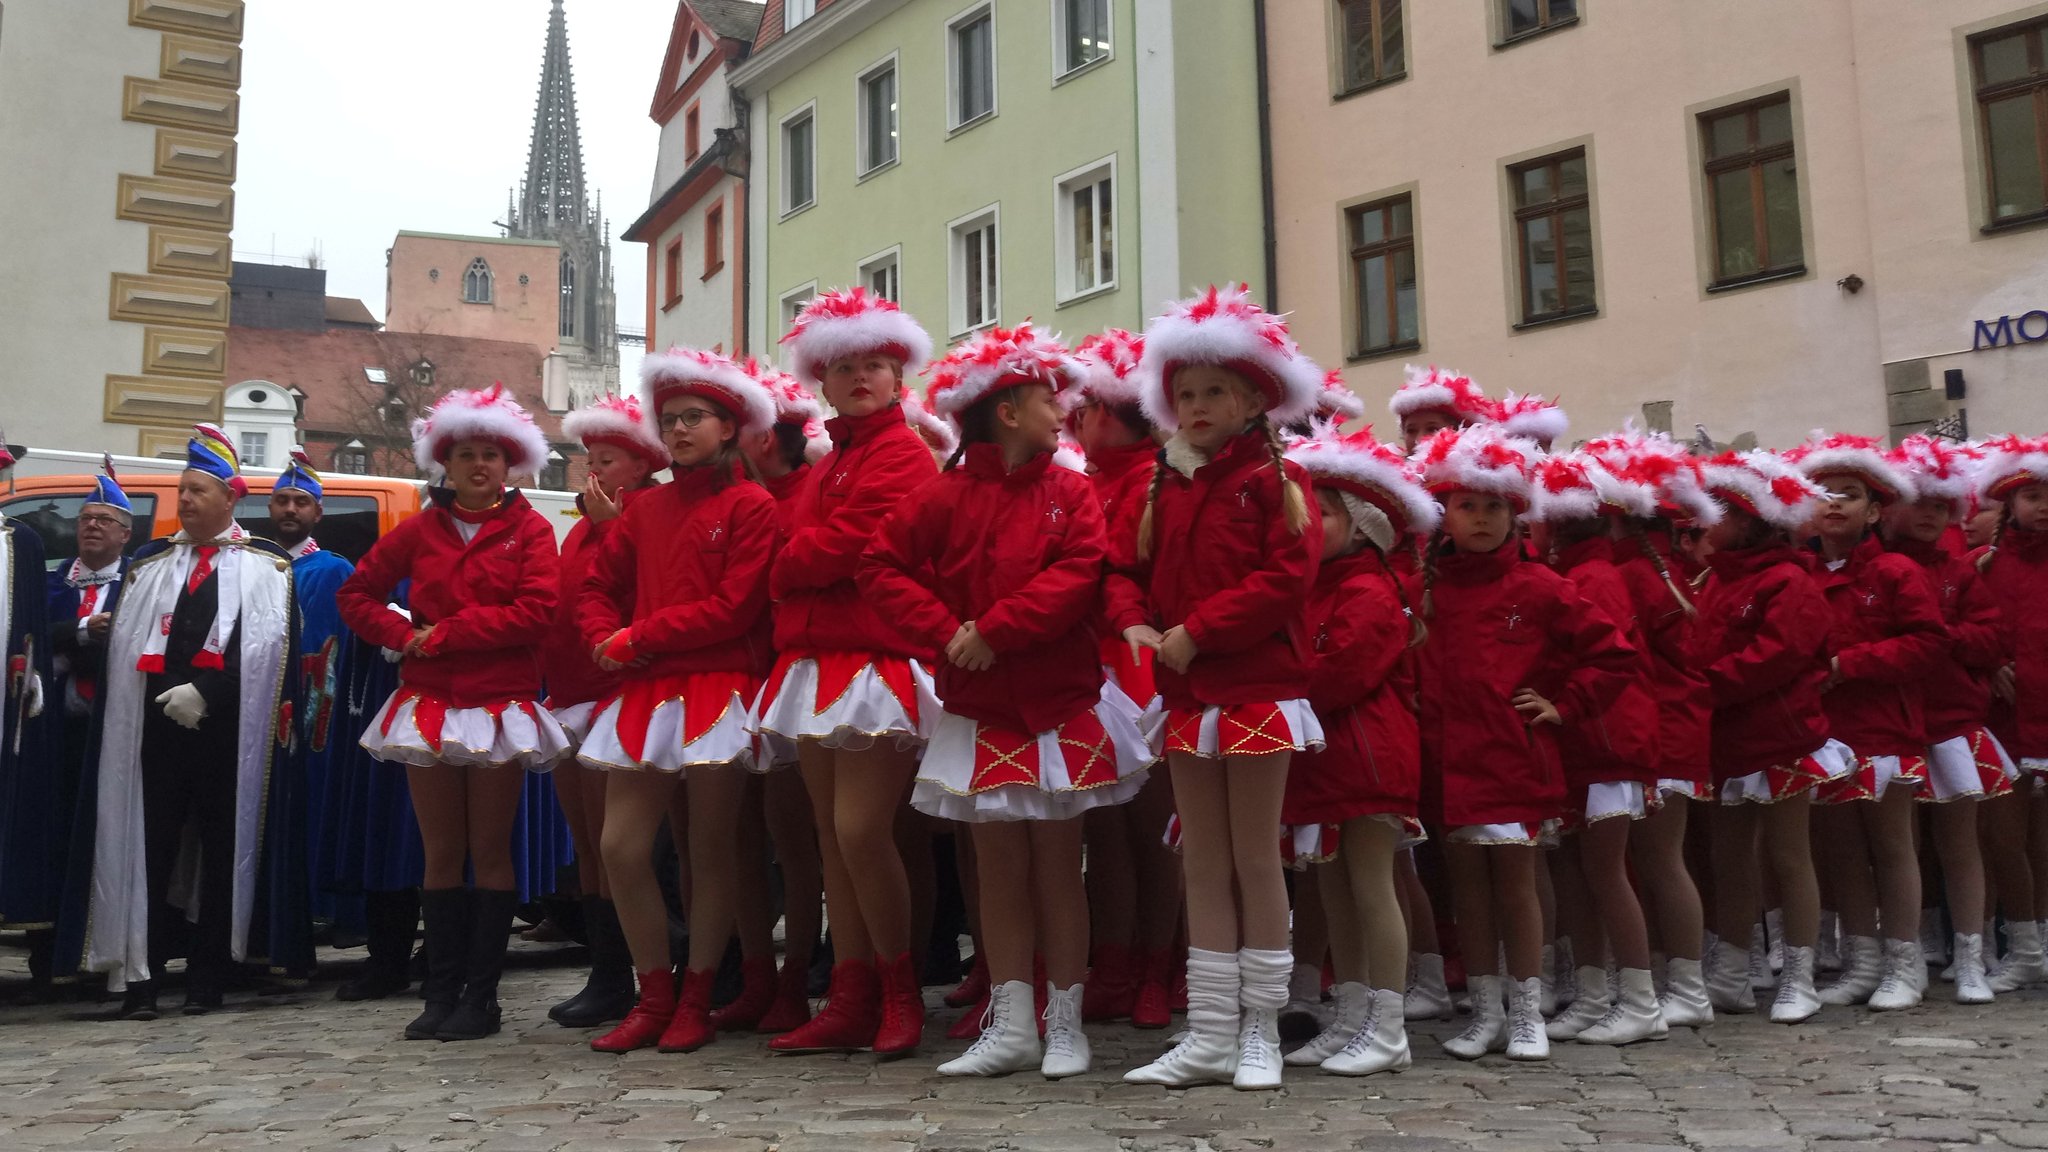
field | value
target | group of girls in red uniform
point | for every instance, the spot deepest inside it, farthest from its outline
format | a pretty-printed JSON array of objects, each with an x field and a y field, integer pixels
[{"x": 1143, "y": 678}]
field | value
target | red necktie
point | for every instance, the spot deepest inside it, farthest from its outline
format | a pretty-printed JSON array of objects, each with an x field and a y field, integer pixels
[
  {"x": 88, "y": 600},
  {"x": 201, "y": 568}
]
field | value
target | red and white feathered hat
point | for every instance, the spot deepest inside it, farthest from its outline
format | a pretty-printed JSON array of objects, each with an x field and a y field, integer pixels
[
  {"x": 1532, "y": 417},
  {"x": 794, "y": 404},
  {"x": 1569, "y": 486},
  {"x": 938, "y": 432},
  {"x": 479, "y": 414},
  {"x": 1938, "y": 468},
  {"x": 1360, "y": 466},
  {"x": 1109, "y": 362},
  {"x": 1763, "y": 485},
  {"x": 852, "y": 322},
  {"x": 2010, "y": 464},
  {"x": 1432, "y": 388},
  {"x": 1845, "y": 455},
  {"x": 618, "y": 421},
  {"x": 997, "y": 358},
  {"x": 697, "y": 372},
  {"x": 1335, "y": 401},
  {"x": 1652, "y": 475},
  {"x": 1480, "y": 458},
  {"x": 1224, "y": 328},
  {"x": 1069, "y": 456}
]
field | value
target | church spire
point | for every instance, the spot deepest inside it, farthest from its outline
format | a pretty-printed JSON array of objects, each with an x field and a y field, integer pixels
[{"x": 553, "y": 198}]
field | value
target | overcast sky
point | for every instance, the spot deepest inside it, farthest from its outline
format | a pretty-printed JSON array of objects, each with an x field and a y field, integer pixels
[{"x": 385, "y": 115}]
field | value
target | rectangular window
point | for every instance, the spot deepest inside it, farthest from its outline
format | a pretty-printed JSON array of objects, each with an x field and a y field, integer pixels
[
  {"x": 256, "y": 449},
  {"x": 1527, "y": 17},
  {"x": 799, "y": 161},
  {"x": 1383, "y": 276},
  {"x": 977, "y": 285},
  {"x": 714, "y": 240},
  {"x": 690, "y": 134},
  {"x": 793, "y": 302},
  {"x": 2010, "y": 71},
  {"x": 972, "y": 64},
  {"x": 880, "y": 274},
  {"x": 878, "y": 117},
  {"x": 795, "y": 12},
  {"x": 1081, "y": 33},
  {"x": 672, "y": 273},
  {"x": 354, "y": 461},
  {"x": 1554, "y": 236},
  {"x": 1369, "y": 43},
  {"x": 1086, "y": 230},
  {"x": 1752, "y": 186}
]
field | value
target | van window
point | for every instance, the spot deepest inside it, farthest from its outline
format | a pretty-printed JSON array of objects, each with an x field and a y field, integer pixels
[
  {"x": 55, "y": 519},
  {"x": 348, "y": 524}
]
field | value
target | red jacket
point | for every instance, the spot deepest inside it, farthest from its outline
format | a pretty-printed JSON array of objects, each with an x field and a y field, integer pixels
[
  {"x": 1618, "y": 742},
  {"x": 876, "y": 462},
  {"x": 1020, "y": 554},
  {"x": 1760, "y": 638},
  {"x": 573, "y": 677},
  {"x": 786, "y": 488},
  {"x": 1500, "y": 624},
  {"x": 1122, "y": 478},
  {"x": 1358, "y": 638},
  {"x": 490, "y": 600},
  {"x": 694, "y": 564},
  {"x": 1957, "y": 693},
  {"x": 2017, "y": 575},
  {"x": 1226, "y": 566},
  {"x": 1685, "y": 705},
  {"x": 1887, "y": 638}
]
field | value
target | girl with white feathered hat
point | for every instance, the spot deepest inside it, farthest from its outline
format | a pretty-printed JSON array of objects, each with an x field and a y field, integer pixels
[{"x": 485, "y": 587}]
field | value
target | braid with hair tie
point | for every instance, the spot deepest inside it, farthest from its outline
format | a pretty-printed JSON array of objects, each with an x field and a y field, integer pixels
[
  {"x": 1417, "y": 630},
  {"x": 954, "y": 459},
  {"x": 1429, "y": 555},
  {"x": 1997, "y": 538},
  {"x": 1291, "y": 495},
  {"x": 1642, "y": 539},
  {"x": 1151, "y": 498}
]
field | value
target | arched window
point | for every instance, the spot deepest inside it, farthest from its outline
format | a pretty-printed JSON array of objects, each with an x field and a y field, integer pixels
[
  {"x": 568, "y": 325},
  {"x": 476, "y": 283}
]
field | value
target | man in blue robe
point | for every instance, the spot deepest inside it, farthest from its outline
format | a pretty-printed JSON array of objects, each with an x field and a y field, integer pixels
[{"x": 29, "y": 866}]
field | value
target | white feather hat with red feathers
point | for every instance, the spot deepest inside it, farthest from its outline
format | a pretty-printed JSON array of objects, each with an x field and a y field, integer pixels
[
  {"x": 1845, "y": 455},
  {"x": 479, "y": 414},
  {"x": 1480, "y": 458},
  {"x": 1569, "y": 487},
  {"x": 618, "y": 421},
  {"x": 698, "y": 372},
  {"x": 1335, "y": 401},
  {"x": 997, "y": 358},
  {"x": 1109, "y": 363},
  {"x": 2010, "y": 464},
  {"x": 1439, "y": 389},
  {"x": 938, "y": 432},
  {"x": 1225, "y": 328},
  {"x": 1359, "y": 465},
  {"x": 794, "y": 404},
  {"x": 852, "y": 322},
  {"x": 1651, "y": 475},
  {"x": 1763, "y": 485},
  {"x": 1532, "y": 418},
  {"x": 1939, "y": 469}
]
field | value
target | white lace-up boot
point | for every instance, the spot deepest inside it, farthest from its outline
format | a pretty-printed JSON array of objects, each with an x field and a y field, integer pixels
[
  {"x": 1526, "y": 1040},
  {"x": 1354, "y": 1004},
  {"x": 1899, "y": 987},
  {"x": 1972, "y": 986},
  {"x": 1685, "y": 1001},
  {"x": 1636, "y": 1014},
  {"x": 1207, "y": 1052},
  {"x": 1380, "y": 1046},
  {"x": 1860, "y": 976},
  {"x": 1428, "y": 997},
  {"x": 1595, "y": 995},
  {"x": 1796, "y": 1002},
  {"x": 1488, "y": 1031},
  {"x": 1260, "y": 997},
  {"x": 1009, "y": 1036}
]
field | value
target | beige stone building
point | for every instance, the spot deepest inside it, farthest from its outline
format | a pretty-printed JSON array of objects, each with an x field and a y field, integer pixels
[
  {"x": 117, "y": 140},
  {"x": 1751, "y": 215}
]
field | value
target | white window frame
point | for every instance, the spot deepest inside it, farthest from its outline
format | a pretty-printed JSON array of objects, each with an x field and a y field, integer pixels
[
  {"x": 795, "y": 12},
  {"x": 953, "y": 122},
  {"x": 860, "y": 120},
  {"x": 890, "y": 258},
  {"x": 1063, "y": 186},
  {"x": 255, "y": 448},
  {"x": 958, "y": 322},
  {"x": 809, "y": 110},
  {"x": 1062, "y": 68},
  {"x": 799, "y": 296}
]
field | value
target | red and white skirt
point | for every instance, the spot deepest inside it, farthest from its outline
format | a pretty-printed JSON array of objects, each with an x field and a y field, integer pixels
[
  {"x": 1831, "y": 761},
  {"x": 1684, "y": 790},
  {"x": 1258, "y": 729},
  {"x": 1969, "y": 767},
  {"x": 978, "y": 772},
  {"x": 1304, "y": 844},
  {"x": 574, "y": 718},
  {"x": 849, "y": 700},
  {"x": 419, "y": 729},
  {"x": 674, "y": 723},
  {"x": 1521, "y": 835},
  {"x": 1608, "y": 800},
  {"x": 1869, "y": 777}
]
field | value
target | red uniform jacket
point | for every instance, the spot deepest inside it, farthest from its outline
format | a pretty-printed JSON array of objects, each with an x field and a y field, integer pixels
[
  {"x": 1358, "y": 641},
  {"x": 1226, "y": 566},
  {"x": 1685, "y": 705},
  {"x": 1957, "y": 693},
  {"x": 694, "y": 564},
  {"x": 2018, "y": 578},
  {"x": 572, "y": 676},
  {"x": 1501, "y": 624},
  {"x": 1886, "y": 640},
  {"x": 1618, "y": 742},
  {"x": 1760, "y": 637},
  {"x": 1020, "y": 554},
  {"x": 490, "y": 600},
  {"x": 1122, "y": 478},
  {"x": 876, "y": 462}
]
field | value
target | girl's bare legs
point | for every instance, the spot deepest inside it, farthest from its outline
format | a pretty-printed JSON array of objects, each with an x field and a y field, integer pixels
[
  {"x": 635, "y": 805},
  {"x": 571, "y": 786},
  {"x": 1888, "y": 827},
  {"x": 913, "y": 834},
  {"x": 1005, "y": 878},
  {"x": 1061, "y": 900},
  {"x": 1202, "y": 798},
  {"x": 1112, "y": 877},
  {"x": 787, "y": 809},
  {"x": 850, "y": 940},
  {"x": 1603, "y": 860},
  {"x": 1842, "y": 857},
  {"x": 1962, "y": 865},
  {"x": 1349, "y": 938},
  {"x": 1786, "y": 836},
  {"x": 1658, "y": 845},
  {"x": 1578, "y": 917},
  {"x": 440, "y": 801},
  {"x": 2004, "y": 821},
  {"x": 1257, "y": 786},
  {"x": 1366, "y": 866},
  {"x": 1472, "y": 899},
  {"x": 716, "y": 798},
  {"x": 1736, "y": 870},
  {"x": 1416, "y": 904},
  {"x": 870, "y": 788}
]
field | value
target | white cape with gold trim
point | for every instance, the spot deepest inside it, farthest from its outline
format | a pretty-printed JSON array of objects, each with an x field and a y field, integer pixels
[{"x": 117, "y": 940}]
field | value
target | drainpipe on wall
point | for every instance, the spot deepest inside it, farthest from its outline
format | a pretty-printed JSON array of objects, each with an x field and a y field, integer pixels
[{"x": 1272, "y": 245}]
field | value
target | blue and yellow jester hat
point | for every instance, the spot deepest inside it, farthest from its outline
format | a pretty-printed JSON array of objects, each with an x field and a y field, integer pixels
[
  {"x": 107, "y": 490},
  {"x": 210, "y": 451},
  {"x": 299, "y": 474}
]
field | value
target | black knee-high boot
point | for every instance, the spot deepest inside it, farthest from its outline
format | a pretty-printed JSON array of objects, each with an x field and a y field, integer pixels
[
  {"x": 391, "y": 919},
  {"x": 608, "y": 995},
  {"x": 446, "y": 915},
  {"x": 490, "y": 934}
]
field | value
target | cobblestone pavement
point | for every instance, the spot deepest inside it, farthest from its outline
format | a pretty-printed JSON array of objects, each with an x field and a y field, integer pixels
[{"x": 304, "y": 1071}]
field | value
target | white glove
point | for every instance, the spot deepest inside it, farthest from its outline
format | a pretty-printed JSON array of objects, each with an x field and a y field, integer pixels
[
  {"x": 392, "y": 655},
  {"x": 32, "y": 692},
  {"x": 184, "y": 705}
]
